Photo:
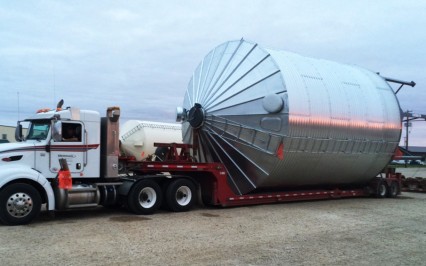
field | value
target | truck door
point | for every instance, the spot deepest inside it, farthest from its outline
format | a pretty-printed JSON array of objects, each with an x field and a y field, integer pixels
[{"x": 71, "y": 147}]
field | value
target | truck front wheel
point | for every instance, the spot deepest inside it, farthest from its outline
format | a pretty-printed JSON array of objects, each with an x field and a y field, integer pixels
[
  {"x": 180, "y": 195},
  {"x": 144, "y": 197},
  {"x": 19, "y": 204}
]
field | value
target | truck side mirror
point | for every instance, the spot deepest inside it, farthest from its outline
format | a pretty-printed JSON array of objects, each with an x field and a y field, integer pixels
[
  {"x": 57, "y": 131},
  {"x": 18, "y": 133}
]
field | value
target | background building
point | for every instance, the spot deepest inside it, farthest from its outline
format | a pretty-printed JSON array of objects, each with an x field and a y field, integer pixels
[
  {"x": 414, "y": 151},
  {"x": 7, "y": 134}
]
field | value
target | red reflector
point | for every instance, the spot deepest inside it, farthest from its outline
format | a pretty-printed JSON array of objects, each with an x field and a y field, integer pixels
[
  {"x": 7, "y": 159},
  {"x": 65, "y": 179},
  {"x": 280, "y": 152}
]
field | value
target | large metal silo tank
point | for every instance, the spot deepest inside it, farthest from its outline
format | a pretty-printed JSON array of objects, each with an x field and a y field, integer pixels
[{"x": 281, "y": 120}]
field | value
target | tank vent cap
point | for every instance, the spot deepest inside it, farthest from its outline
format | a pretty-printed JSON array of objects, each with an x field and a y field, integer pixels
[
  {"x": 273, "y": 103},
  {"x": 196, "y": 116}
]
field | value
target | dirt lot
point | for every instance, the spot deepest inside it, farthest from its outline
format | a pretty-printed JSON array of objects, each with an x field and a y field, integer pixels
[{"x": 362, "y": 231}]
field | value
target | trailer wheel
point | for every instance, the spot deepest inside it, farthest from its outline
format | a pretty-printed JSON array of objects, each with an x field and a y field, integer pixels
[
  {"x": 180, "y": 195},
  {"x": 423, "y": 184},
  {"x": 19, "y": 204},
  {"x": 412, "y": 184},
  {"x": 144, "y": 197},
  {"x": 393, "y": 190},
  {"x": 381, "y": 189}
]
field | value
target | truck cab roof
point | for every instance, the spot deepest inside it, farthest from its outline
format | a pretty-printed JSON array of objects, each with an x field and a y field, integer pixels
[{"x": 67, "y": 114}]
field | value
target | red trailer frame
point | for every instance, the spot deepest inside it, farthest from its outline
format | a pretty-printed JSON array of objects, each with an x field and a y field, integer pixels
[{"x": 212, "y": 178}]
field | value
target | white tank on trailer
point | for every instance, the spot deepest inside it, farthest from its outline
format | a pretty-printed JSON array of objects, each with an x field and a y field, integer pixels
[{"x": 138, "y": 137}]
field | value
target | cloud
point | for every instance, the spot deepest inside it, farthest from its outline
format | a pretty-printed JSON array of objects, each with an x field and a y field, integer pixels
[
  {"x": 15, "y": 51},
  {"x": 121, "y": 15},
  {"x": 140, "y": 55}
]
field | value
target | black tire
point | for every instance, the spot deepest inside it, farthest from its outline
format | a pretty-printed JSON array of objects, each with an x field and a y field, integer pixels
[
  {"x": 19, "y": 204},
  {"x": 412, "y": 184},
  {"x": 144, "y": 197},
  {"x": 393, "y": 190},
  {"x": 381, "y": 189},
  {"x": 180, "y": 195}
]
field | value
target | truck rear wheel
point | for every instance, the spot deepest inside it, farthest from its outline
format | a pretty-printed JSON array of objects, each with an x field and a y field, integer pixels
[
  {"x": 180, "y": 195},
  {"x": 144, "y": 197},
  {"x": 19, "y": 204}
]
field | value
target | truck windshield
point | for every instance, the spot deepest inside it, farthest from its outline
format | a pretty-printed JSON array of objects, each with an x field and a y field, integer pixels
[{"x": 38, "y": 130}]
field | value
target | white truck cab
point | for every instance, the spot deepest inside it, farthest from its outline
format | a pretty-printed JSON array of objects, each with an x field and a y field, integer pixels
[
  {"x": 71, "y": 134},
  {"x": 29, "y": 167}
]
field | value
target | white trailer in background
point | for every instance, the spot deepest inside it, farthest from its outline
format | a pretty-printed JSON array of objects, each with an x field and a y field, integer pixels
[{"x": 138, "y": 137}]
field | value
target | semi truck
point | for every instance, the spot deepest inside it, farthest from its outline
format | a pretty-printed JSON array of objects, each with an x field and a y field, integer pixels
[
  {"x": 258, "y": 126},
  {"x": 412, "y": 170}
]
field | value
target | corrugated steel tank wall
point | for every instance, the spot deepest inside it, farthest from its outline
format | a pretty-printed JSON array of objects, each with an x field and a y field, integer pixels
[{"x": 278, "y": 119}]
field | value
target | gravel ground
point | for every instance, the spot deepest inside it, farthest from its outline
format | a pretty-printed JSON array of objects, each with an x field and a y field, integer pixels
[{"x": 363, "y": 231}]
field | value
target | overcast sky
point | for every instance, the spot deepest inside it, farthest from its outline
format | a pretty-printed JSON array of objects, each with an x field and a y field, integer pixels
[{"x": 140, "y": 55}]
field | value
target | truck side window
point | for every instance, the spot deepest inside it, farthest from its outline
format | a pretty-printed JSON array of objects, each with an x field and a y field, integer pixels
[{"x": 71, "y": 132}]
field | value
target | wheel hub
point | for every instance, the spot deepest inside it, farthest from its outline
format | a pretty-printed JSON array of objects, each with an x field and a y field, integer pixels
[
  {"x": 19, "y": 205},
  {"x": 183, "y": 195},
  {"x": 147, "y": 197}
]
